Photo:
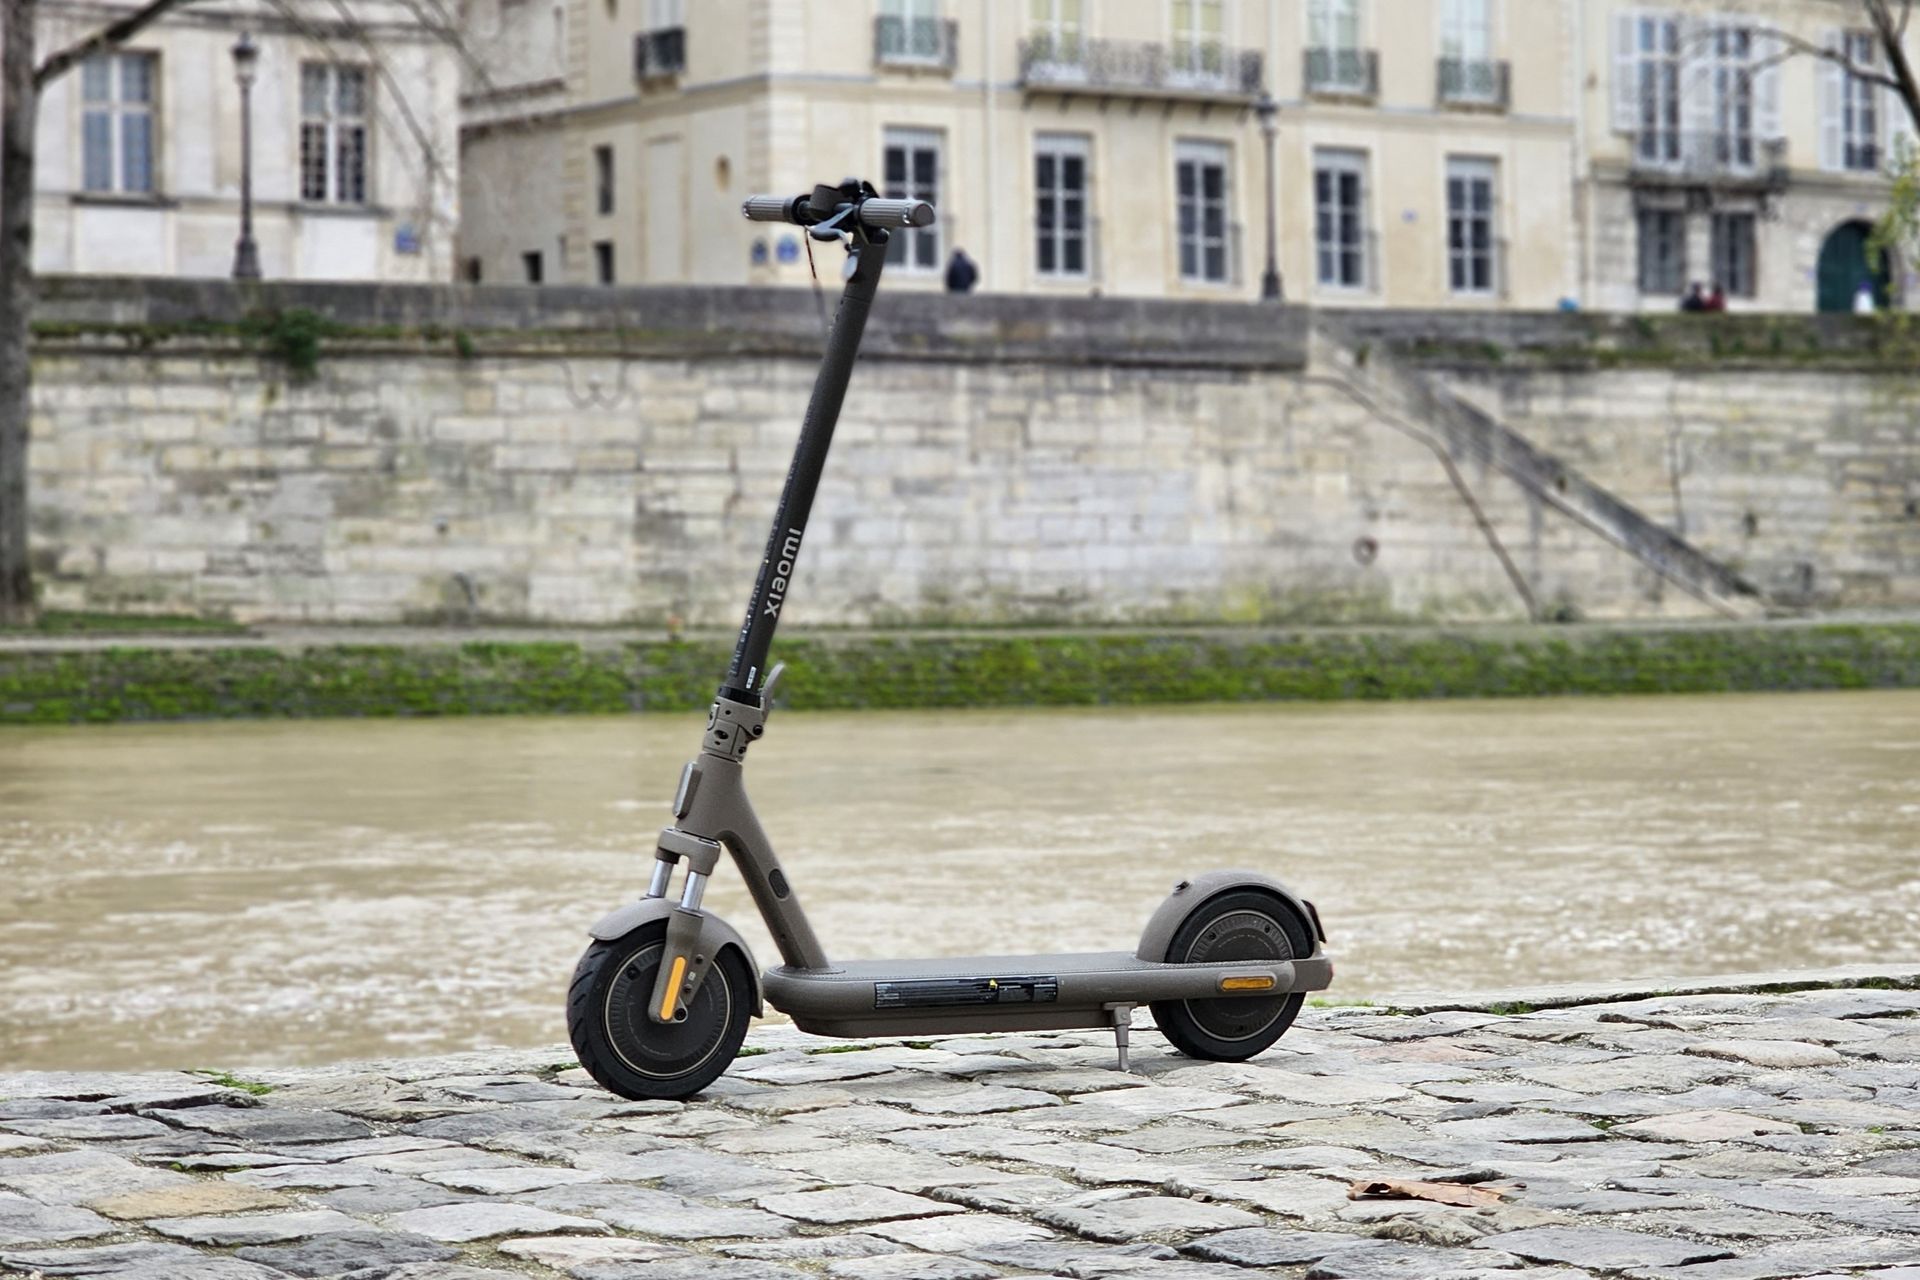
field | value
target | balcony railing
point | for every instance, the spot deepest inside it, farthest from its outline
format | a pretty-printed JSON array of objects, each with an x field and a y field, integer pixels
[
  {"x": 1476, "y": 82},
  {"x": 1073, "y": 64},
  {"x": 1709, "y": 156},
  {"x": 659, "y": 53},
  {"x": 915, "y": 42},
  {"x": 1343, "y": 73}
]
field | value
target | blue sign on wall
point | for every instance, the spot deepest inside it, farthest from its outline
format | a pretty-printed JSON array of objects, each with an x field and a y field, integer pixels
[
  {"x": 406, "y": 239},
  {"x": 789, "y": 250}
]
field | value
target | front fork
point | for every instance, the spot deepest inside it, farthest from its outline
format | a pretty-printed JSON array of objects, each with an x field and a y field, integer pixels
[{"x": 731, "y": 727}]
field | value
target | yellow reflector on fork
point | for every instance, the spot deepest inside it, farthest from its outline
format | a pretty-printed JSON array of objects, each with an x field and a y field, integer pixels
[
  {"x": 1262, "y": 983},
  {"x": 673, "y": 988}
]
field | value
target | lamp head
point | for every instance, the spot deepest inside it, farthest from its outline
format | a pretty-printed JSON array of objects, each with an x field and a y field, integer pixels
[
  {"x": 1267, "y": 110},
  {"x": 246, "y": 54}
]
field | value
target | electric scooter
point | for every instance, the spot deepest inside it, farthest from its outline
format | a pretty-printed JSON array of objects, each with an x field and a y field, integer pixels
[{"x": 661, "y": 999}]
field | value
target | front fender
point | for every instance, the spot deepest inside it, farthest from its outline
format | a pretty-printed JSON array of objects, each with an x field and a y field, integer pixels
[
  {"x": 715, "y": 934},
  {"x": 1189, "y": 894}
]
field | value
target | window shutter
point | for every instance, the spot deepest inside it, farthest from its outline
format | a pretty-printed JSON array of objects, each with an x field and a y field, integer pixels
[
  {"x": 1833, "y": 82},
  {"x": 1696, "y": 57},
  {"x": 1626, "y": 72},
  {"x": 1768, "y": 51},
  {"x": 1901, "y": 134}
]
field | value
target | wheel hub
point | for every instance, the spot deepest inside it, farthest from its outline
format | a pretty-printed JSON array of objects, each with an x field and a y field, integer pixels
[
  {"x": 664, "y": 1050},
  {"x": 1239, "y": 935}
]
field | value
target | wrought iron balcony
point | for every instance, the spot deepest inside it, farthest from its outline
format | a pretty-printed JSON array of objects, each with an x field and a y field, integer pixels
[
  {"x": 1708, "y": 157},
  {"x": 915, "y": 42},
  {"x": 1343, "y": 73},
  {"x": 659, "y": 53},
  {"x": 1124, "y": 68},
  {"x": 1476, "y": 82}
]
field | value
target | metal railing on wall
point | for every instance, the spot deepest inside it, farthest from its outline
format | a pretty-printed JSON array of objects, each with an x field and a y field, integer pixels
[
  {"x": 1475, "y": 82},
  {"x": 659, "y": 53},
  {"x": 915, "y": 42},
  {"x": 1200, "y": 69},
  {"x": 1343, "y": 72}
]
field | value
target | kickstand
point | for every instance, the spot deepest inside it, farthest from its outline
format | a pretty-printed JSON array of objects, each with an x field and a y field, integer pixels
[{"x": 1122, "y": 1024}]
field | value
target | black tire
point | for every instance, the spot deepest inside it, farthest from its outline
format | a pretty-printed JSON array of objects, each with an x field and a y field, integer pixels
[
  {"x": 631, "y": 1054},
  {"x": 1240, "y": 924}
]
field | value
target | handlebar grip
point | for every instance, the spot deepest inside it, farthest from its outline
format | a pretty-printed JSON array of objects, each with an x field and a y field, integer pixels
[
  {"x": 896, "y": 213},
  {"x": 769, "y": 208}
]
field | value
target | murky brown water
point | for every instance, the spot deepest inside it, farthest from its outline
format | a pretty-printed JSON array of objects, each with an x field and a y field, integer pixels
[{"x": 232, "y": 893}]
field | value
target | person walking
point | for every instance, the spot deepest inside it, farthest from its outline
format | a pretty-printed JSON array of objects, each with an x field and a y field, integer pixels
[{"x": 962, "y": 274}]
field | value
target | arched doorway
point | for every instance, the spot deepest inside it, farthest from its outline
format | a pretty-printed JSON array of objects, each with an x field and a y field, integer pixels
[{"x": 1843, "y": 265}]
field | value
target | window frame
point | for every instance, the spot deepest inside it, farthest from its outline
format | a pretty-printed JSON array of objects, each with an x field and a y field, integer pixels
[
  {"x": 1061, "y": 147},
  {"x": 118, "y": 112},
  {"x": 1740, "y": 279},
  {"x": 533, "y": 265},
  {"x": 904, "y": 247},
  {"x": 1659, "y": 100},
  {"x": 1195, "y": 57},
  {"x": 333, "y": 122},
  {"x": 1676, "y": 221},
  {"x": 1463, "y": 256},
  {"x": 1350, "y": 162},
  {"x": 1861, "y": 148},
  {"x": 1732, "y": 81},
  {"x": 603, "y": 179},
  {"x": 1203, "y": 154}
]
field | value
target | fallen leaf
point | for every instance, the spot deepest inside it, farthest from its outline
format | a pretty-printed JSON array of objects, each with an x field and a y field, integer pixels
[{"x": 1438, "y": 1192}]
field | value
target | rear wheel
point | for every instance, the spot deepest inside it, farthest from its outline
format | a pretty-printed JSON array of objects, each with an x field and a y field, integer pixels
[
  {"x": 1241, "y": 924},
  {"x": 628, "y": 1052}
]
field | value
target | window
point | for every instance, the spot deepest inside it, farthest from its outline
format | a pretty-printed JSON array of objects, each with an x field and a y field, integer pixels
[
  {"x": 533, "y": 266},
  {"x": 1470, "y": 240},
  {"x": 912, "y": 168},
  {"x": 1730, "y": 77},
  {"x": 603, "y": 261},
  {"x": 1197, "y": 29},
  {"x": 1335, "y": 61},
  {"x": 1656, "y": 72},
  {"x": 662, "y": 14},
  {"x": 1467, "y": 70},
  {"x": 1058, "y": 27},
  {"x": 1734, "y": 257},
  {"x": 333, "y": 133},
  {"x": 1060, "y": 204},
  {"x": 1663, "y": 252},
  {"x": 1860, "y": 115},
  {"x": 603, "y": 179},
  {"x": 910, "y": 30},
  {"x": 1340, "y": 218},
  {"x": 472, "y": 271},
  {"x": 1200, "y": 183},
  {"x": 116, "y": 130}
]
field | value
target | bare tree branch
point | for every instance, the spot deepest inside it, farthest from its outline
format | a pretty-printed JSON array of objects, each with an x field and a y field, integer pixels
[{"x": 107, "y": 37}]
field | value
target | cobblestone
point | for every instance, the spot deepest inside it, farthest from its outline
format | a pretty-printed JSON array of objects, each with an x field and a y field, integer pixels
[{"x": 1700, "y": 1137}]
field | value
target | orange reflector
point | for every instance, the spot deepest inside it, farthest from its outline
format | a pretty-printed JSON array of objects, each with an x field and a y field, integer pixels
[
  {"x": 1246, "y": 984},
  {"x": 673, "y": 988}
]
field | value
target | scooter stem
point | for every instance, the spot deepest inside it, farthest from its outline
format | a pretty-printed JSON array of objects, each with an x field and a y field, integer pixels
[{"x": 867, "y": 250}]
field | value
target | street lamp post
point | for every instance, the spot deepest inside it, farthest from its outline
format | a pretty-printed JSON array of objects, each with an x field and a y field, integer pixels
[
  {"x": 1269, "y": 112},
  {"x": 246, "y": 254}
]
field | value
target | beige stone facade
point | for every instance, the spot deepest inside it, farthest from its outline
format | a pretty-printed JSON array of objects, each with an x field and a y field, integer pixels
[
  {"x": 1430, "y": 153},
  {"x": 355, "y": 144}
]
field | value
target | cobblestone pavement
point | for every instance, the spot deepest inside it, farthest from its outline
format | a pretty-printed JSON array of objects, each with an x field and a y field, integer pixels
[{"x": 1724, "y": 1137}]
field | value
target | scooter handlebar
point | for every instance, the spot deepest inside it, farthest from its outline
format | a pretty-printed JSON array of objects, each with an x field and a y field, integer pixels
[{"x": 874, "y": 211}]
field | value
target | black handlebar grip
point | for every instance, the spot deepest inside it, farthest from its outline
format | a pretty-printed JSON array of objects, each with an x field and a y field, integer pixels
[
  {"x": 769, "y": 208},
  {"x": 876, "y": 212}
]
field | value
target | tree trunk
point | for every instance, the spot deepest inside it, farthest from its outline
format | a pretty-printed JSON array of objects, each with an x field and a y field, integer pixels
[{"x": 19, "y": 110}]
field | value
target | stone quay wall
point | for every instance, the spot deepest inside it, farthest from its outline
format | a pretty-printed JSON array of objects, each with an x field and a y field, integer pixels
[{"x": 316, "y": 453}]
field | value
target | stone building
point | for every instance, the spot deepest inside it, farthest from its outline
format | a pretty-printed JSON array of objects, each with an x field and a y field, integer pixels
[
  {"x": 355, "y": 143},
  {"x": 1432, "y": 153}
]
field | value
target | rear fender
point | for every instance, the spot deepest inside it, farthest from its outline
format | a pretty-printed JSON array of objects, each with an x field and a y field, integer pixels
[
  {"x": 1189, "y": 895},
  {"x": 715, "y": 935}
]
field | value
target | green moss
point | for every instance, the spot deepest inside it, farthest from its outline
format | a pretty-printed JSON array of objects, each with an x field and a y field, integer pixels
[
  {"x": 136, "y": 681},
  {"x": 56, "y": 623},
  {"x": 1511, "y": 1009},
  {"x": 842, "y": 1048},
  {"x": 230, "y": 1081},
  {"x": 750, "y": 1051}
]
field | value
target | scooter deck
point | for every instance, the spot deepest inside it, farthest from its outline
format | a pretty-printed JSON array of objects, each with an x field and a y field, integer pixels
[{"x": 1030, "y": 992}]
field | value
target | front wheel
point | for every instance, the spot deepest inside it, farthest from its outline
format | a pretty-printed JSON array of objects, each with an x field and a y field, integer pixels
[
  {"x": 1241, "y": 924},
  {"x": 628, "y": 1052}
]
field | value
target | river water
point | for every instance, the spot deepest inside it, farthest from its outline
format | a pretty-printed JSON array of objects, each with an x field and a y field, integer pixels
[{"x": 200, "y": 894}]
